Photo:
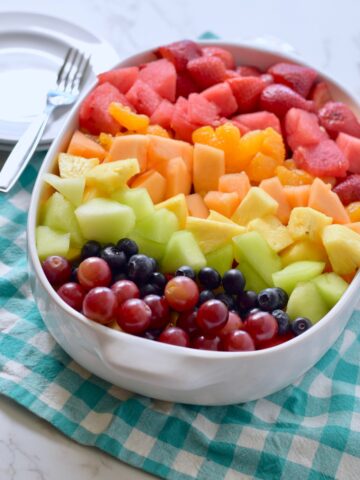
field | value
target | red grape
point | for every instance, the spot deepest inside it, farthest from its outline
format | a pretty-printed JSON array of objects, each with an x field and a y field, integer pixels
[
  {"x": 125, "y": 289},
  {"x": 234, "y": 323},
  {"x": 175, "y": 336},
  {"x": 133, "y": 316},
  {"x": 100, "y": 305},
  {"x": 182, "y": 293},
  {"x": 262, "y": 326},
  {"x": 57, "y": 269},
  {"x": 212, "y": 317},
  {"x": 238, "y": 341},
  {"x": 187, "y": 321},
  {"x": 277, "y": 340},
  {"x": 73, "y": 294},
  {"x": 204, "y": 343},
  {"x": 160, "y": 313},
  {"x": 94, "y": 272}
]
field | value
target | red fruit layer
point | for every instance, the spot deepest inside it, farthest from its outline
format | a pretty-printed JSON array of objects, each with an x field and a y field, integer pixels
[
  {"x": 324, "y": 159},
  {"x": 299, "y": 78},
  {"x": 180, "y": 53},
  {"x": 279, "y": 99},
  {"x": 349, "y": 190},
  {"x": 337, "y": 117}
]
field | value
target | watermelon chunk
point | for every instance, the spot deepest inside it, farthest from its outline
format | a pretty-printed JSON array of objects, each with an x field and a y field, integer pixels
[
  {"x": 350, "y": 146},
  {"x": 302, "y": 129},
  {"x": 94, "y": 116},
  {"x": 122, "y": 78},
  {"x": 337, "y": 117},
  {"x": 349, "y": 190},
  {"x": 161, "y": 76},
  {"x": 247, "y": 91},
  {"x": 248, "y": 71},
  {"x": 221, "y": 95},
  {"x": 180, "y": 121},
  {"x": 201, "y": 111},
  {"x": 143, "y": 98},
  {"x": 297, "y": 77},
  {"x": 320, "y": 94},
  {"x": 180, "y": 53},
  {"x": 324, "y": 159},
  {"x": 259, "y": 121},
  {"x": 163, "y": 114},
  {"x": 185, "y": 85}
]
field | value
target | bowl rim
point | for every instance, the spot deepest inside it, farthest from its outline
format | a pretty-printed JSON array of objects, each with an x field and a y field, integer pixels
[{"x": 114, "y": 334}]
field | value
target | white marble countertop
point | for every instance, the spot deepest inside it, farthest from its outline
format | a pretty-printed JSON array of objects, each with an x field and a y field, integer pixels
[{"x": 325, "y": 33}]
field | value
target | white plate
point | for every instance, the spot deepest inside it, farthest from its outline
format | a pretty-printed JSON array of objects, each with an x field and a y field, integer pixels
[{"x": 32, "y": 49}]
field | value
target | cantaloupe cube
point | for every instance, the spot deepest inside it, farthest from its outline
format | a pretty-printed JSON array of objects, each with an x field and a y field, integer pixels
[
  {"x": 162, "y": 149},
  {"x": 177, "y": 205},
  {"x": 297, "y": 195},
  {"x": 209, "y": 166},
  {"x": 154, "y": 183},
  {"x": 178, "y": 178},
  {"x": 83, "y": 146},
  {"x": 235, "y": 182},
  {"x": 355, "y": 226},
  {"x": 222, "y": 202},
  {"x": 323, "y": 199},
  {"x": 196, "y": 206},
  {"x": 257, "y": 203},
  {"x": 130, "y": 146},
  {"x": 274, "y": 188}
]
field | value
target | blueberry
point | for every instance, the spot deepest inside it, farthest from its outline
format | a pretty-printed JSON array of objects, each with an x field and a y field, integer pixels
[
  {"x": 158, "y": 279},
  {"x": 246, "y": 300},
  {"x": 269, "y": 299},
  {"x": 128, "y": 246},
  {"x": 205, "y": 295},
  {"x": 209, "y": 278},
  {"x": 227, "y": 300},
  {"x": 140, "y": 267},
  {"x": 90, "y": 249},
  {"x": 300, "y": 325},
  {"x": 282, "y": 319},
  {"x": 185, "y": 271},
  {"x": 114, "y": 258},
  {"x": 150, "y": 289},
  {"x": 283, "y": 297},
  {"x": 120, "y": 276},
  {"x": 155, "y": 264},
  {"x": 73, "y": 276},
  {"x": 233, "y": 281},
  {"x": 152, "y": 334}
]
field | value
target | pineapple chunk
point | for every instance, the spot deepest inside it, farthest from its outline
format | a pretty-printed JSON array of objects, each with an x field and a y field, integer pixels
[
  {"x": 256, "y": 203},
  {"x": 343, "y": 248},
  {"x": 177, "y": 205},
  {"x": 303, "y": 250},
  {"x": 71, "y": 166},
  {"x": 218, "y": 217},
  {"x": 274, "y": 232},
  {"x": 305, "y": 223},
  {"x": 112, "y": 176}
]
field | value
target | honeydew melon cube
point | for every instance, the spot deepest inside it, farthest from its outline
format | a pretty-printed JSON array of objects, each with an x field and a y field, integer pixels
[
  {"x": 221, "y": 259},
  {"x": 148, "y": 247},
  {"x": 71, "y": 188},
  {"x": 136, "y": 198},
  {"x": 51, "y": 242},
  {"x": 305, "y": 223},
  {"x": 72, "y": 166},
  {"x": 306, "y": 301},
  {"x": 256, "y": 203},
  {"x": 297, "y": 272},
  {"x": 176, "y": 204},
  {"x": 274, "y": 232},
  {"x": 254, "y": 249},
  {"x": 105, "y": 220},
  {"x": 253, "y": 279},
  {"x": 331, "y": 287},
  {"x": 111, "y": 176},
  {"x": 182, "y": 249},
  {"x": 159, "y": 226},
  {"x": 58, "y": 214}
]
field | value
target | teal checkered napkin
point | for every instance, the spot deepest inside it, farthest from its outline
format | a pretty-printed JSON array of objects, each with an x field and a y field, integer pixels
[{"x": 310, "y": 430}]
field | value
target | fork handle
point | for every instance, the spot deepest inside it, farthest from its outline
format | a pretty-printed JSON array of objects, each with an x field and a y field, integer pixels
[{"x": 23, "y": 151}]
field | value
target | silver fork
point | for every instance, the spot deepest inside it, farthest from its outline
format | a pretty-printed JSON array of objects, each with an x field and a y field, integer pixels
[{"x": 69, "y": 80}]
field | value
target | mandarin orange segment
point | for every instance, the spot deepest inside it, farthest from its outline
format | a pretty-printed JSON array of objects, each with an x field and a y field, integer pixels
[
  {"x": 228, "y": 136},
  {"x": 261, "y": 167},
  {"x": 205, "y": 135},
  {"x": 273, "y": 145},
  {"x": 249, "y": 145},
  {"x": 158, "y": 130},
  {"x": 353, "y": 210},
  {"x": 127, "y": 118},
  {"x": 105, "y": 140},
  {"x": 293, "y": 177},
  {"x": 290, "y": 164}
]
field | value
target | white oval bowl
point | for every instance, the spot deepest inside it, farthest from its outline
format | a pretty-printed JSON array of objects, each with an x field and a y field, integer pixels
[{"x": 174, "y": 373}]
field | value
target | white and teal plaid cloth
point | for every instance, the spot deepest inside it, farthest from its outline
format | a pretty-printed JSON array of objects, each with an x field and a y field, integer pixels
[{"x": 310, "y": 430}]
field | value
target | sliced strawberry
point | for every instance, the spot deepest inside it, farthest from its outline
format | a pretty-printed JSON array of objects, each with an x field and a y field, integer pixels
[
  {"x": 299, "y": 78},
  {"x": 185, "y": 85},
  {"x": 267, "y": 78},
  {"x": 349, "y": 190},
  {"x": 247, "y": 91},
  {"x": 302, "y": 129},
  {"x": 279, "y": 99},
  {"x": 122, "y": 78},
  {"x": 163, "y": 114},
  {"x": 201, "y": 111},
  {"x": 320, "y": 94},
  {"x": 248, "y": 71},
  {"x": 207, "y": 71},
  {"x": 324, "y": 159},
  {"x": 231, "y": 74},
  {"x": 337, "y": 117},
  {"x": 221, "y": 95},
  {"x": 180, "y": 53},
  {"x": 143, "y": 98},
  {"x": 180, "y": 121},
  {"x": 221, "y": 53},
  {"x": 161, "y": 76}
]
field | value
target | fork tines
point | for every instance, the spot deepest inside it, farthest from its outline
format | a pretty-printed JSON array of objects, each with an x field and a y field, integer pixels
[{"x": 72, "y": 70}]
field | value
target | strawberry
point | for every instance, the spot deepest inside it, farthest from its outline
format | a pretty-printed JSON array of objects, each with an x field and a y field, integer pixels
[
  {"x": 218, "y": 52},
  {"x": 247, "y": 91},
  {"x": 207, "y": 71},
  {"x": 180, "y": 53},
  {"x": 185, "y": 85},
  {"x": 279, "y": 99},
  {"x": 299, "y": 78},
  {"x": 323, "y": 159},
  {"x": 248, "y": 71},
  {"x": 320, "y": 94},
  {"x": 267, "y": 78},
  {"x": 337, "y": 117},
  {"x": 348, "y": 190},
  {"x": 231, "y": 74}
]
